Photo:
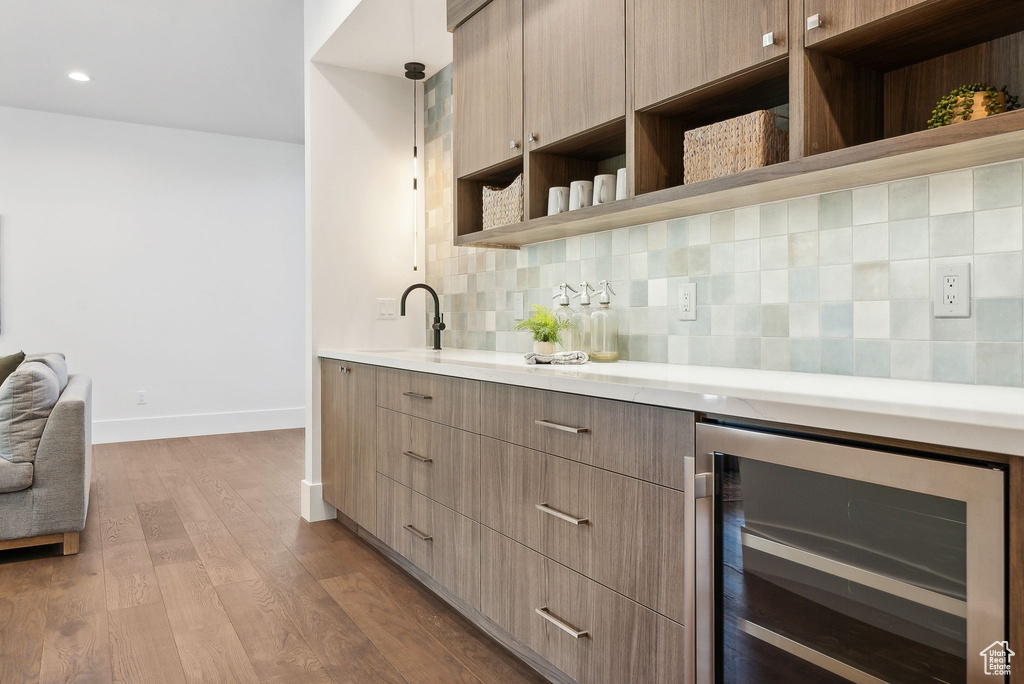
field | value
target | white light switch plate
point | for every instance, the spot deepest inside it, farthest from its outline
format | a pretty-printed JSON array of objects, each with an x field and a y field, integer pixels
[
  {"x": 517, "y": 300},
  {"x": 688, "y": 302},
  {"x": 951, "y": 284},
  {"x": 386, "y": 309}
]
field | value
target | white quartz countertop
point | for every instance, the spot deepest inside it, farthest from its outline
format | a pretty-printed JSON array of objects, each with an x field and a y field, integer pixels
[{"x": 967, "y": 416}]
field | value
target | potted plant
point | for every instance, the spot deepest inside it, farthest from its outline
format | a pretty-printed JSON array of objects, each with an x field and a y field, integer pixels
[
  {"x": 974, "y": 101},
  {"x": 545, "y": 327}
]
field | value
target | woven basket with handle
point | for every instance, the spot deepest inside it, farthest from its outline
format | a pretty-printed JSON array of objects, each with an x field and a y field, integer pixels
[{"x": 726, "y": 147}]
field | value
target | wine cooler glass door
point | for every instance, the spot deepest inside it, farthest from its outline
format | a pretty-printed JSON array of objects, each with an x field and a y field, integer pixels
[{"x": 835, "y": 564}]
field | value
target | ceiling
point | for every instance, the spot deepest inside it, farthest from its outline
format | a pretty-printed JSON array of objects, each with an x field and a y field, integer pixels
[
  {"x": 382, "y": 35},
  {"x": 221, "y": 66}
]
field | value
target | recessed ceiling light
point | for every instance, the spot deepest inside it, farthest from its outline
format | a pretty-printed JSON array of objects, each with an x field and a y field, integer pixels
[{"x": 79, "y": 76}]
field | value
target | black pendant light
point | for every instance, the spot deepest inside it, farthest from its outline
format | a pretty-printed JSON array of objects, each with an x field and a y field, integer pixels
[{"x": 414, "y": 71}]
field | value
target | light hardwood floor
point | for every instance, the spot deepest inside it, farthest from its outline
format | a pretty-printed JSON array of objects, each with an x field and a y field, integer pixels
[{"x": 196, "y": 567}]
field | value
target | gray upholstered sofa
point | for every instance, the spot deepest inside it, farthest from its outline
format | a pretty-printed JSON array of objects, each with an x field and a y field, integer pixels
[{"x": 45, "y": 454}]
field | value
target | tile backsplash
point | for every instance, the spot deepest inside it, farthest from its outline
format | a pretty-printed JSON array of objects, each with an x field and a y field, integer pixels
[{"x": 836, "y": 283}]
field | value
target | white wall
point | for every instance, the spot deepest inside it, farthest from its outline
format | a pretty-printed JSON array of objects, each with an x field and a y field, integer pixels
[
  {"x": 157, "y": 259},
  {"x": 359, "y": 212}
]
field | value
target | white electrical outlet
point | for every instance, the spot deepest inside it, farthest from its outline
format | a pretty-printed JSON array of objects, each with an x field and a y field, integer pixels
[
  {"x": 688, "y": 302},
  {"x": 140, "y": 397},
  {"x": 952, "y": 286},
  {"x": 386, "y": 309},
  {"x": 517, "y": 305}
]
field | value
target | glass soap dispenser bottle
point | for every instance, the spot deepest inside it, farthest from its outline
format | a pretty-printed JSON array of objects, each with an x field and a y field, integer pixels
[
  {"x": 604, "y": 328},
  {"x": 563, "y": 314},
  {"x": 579, "y": 330}
]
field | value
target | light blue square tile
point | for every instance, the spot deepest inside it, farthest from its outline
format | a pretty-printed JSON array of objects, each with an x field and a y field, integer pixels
[
  {"x": 1000, "y": 364},
  {"x": 999, "y": 320},
  {"x": 748, "y": 320},
  {"x": 677, "y": 233},
  {"x": 998, "y": 186},
  {"x": 953, "y": 362},
  {"x": 637, "y": 239},
  {"x": 803, "y": 285},
  {"x": 603, "y": 244},
  {"x": 678, "y": 261},
  {"x": 775, "y": 320},
  {"x": 871, "y": 281},
  {"x": 657, "y": 264},
  {"x": 723, "y": 289},
  {"x": 835, "y": 210},
  {"x": 837, "y": 319},
  {"x": 723, "y": 226},
  {"x": 657, "y": 348},
  {"x": 638, "y": 293},
  {"x": 951, "y": 235},
  {"x": 748, "y": 352},
  {"x": 723, "y": 351},
  {"x": 908, "y": 199},
  {"x": 910, "y": 319},
  {"x": 698, "y": 260},
  {"x": 910, "y": 360},
  {"x": 775, "y": 354},
  {"x": 837, "y": 356},
  {"x": 774, "y": 219},
  {"x": 699, "y": 350},
  {"x": 805, "y": 356},
  {"x": 871, "y": 358}
]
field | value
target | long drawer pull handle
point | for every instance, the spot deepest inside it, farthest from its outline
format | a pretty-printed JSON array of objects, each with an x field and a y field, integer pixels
[
  {"x": 421, "y": 535},
  {"x": 544, "y": 508},
  {"x": 421, "y": 459},
  {"x": 417, "y": 395},
  {"x": 556, "y": 426},
  {"x": 564, "y": 626}
]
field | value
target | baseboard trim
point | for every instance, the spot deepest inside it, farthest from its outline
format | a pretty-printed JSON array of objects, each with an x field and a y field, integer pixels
[
  {"x": 164, "y": 427},
  {"x": 312, "y": 506}
]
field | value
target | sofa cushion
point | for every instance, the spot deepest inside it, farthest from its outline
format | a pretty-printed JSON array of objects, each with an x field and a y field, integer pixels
[
  {"x": 55, "y": 362},
  {"x": 14, "y": 476},
  {"x": 9, "y": 364},
  {"x": 26, "y": 399}
]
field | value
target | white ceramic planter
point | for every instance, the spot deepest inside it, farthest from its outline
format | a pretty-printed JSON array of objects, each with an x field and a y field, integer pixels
[{"x": 543, "y": 347}]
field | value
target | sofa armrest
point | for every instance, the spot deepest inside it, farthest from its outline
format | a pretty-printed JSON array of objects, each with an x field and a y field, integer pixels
[{"x": 63, "y": 465}]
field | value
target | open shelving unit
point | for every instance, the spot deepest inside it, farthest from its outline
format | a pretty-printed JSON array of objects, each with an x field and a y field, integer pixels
[{"x": 858, "y": 99}]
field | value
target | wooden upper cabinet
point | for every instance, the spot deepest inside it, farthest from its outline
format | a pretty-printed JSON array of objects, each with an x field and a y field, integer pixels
[
  {"x": 681, "y": 45},
  {"x": 348, "y": 455},
  {"x": 574, "y": 66},
  {"x": 488, "y": 87},
  {"x": 839, "y": 16}
]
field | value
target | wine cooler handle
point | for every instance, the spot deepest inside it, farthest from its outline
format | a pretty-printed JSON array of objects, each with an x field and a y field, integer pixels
[{"x": 699, "y": 581}]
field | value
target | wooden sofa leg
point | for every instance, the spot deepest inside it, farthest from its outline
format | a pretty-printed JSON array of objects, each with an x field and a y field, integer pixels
[{"x": 70, "y": 543}]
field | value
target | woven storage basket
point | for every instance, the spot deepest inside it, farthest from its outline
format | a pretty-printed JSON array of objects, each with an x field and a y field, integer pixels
[
  {"x": 503, "y": 206},
  {"x": 726, "y": 147}
]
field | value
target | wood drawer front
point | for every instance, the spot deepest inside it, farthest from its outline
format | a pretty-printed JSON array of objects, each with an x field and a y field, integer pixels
[
  {"x": 437, "y": 461},
  {"x": 621, "y": 644},
  {"x": 510, "y": 413},
  {"x": 451, "y": 555},
  {"x": 646, "y": 442},
  {"x": 633, "y": 537},
  {"x": 451, "y": 401}
]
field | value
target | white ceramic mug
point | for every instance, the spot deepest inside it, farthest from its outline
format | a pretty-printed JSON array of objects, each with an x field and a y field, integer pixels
[
  {"x": 558, "y": 200},
  {"x": 604, "y": 188},
  {"x": 620, "y": 184},
  {"x": 581, "y": 194}
]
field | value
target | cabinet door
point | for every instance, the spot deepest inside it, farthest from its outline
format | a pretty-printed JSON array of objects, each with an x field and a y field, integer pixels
[
  {"x": 838, "y": 16},
  {"x": 684, "y": 44},
  {"x": 488, "y": 87},
  {"x": 574, "y": 66},
  {"x": 348, "y": 439}
]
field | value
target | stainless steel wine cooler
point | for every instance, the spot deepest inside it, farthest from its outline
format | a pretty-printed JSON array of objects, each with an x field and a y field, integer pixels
[{"x": 820, "y": 562}]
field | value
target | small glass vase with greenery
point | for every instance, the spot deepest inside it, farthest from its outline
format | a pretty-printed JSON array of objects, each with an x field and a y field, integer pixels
[{"x": 545, "y": 327}]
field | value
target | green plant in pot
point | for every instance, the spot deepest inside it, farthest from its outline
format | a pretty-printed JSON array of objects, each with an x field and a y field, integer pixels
[
  {"x": 545, "y": 327},
  {"x": 974, "y": 101}
]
